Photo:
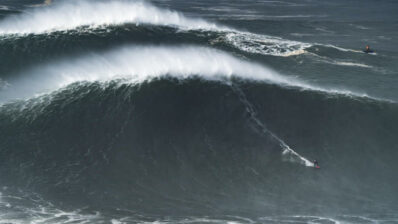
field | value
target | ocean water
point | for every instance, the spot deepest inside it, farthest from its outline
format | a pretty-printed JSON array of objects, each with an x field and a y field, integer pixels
[{"x": 171, "y": 111}]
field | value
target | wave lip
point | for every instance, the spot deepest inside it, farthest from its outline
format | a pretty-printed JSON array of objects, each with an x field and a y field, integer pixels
[{"x": 138, "y": 64}]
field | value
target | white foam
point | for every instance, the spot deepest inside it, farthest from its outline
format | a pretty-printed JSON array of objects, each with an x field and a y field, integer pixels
[
  {"x": 115, "y": 221},
  {"x": 287, "y": 151},
  {"x": 352, "y": 64},
  {"x": 340, "y": 63},
  {"x": 301, "y": 219},
  {"x": 359, "y": 27},
  {"x": 3, "y": 7},
  {"x": 32, "y": 208},
  {"x": 266, "y": 45},
  {"x": 294, "y": 53},
  {"x": 341, "y": 48},
  {"x": 293, "y": 16}
]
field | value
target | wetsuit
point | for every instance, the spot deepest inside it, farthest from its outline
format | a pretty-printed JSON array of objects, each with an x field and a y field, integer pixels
[{"x": 368, "y": 51}]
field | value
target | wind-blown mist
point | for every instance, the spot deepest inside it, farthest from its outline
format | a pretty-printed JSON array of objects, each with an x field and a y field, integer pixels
[
  {"x": 137, "y": 64},
  {"x": 70, "y": 15}
]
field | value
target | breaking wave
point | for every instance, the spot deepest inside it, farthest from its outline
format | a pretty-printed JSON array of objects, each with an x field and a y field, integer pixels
[
  {"x": 137, "y": 64},
  {"x": 195, "y": 145},
  {"x": 71, "y": 15}
]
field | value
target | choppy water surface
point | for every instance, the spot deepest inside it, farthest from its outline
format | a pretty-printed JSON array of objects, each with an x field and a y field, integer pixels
[{"x": 198, "y": 111}]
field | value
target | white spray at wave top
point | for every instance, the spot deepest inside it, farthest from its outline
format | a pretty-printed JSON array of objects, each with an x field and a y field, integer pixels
[
  {"x": 73, "y": 14},
  {"x": 138, "y": 64}
]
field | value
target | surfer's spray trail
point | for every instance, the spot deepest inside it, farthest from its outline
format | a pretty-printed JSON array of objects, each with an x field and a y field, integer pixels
[{"x": 286, "y": 150}]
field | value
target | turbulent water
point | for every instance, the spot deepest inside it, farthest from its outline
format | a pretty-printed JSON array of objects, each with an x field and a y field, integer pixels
[{"x": 201, "y": 111}]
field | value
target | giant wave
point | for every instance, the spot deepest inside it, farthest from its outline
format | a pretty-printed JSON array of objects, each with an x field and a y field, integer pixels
[
  {"x": 123, "y": 112},
  {"x": 195, "y": 146}
]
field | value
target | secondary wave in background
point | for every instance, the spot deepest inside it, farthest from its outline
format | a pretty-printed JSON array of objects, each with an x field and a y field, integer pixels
[{"x": 76, "y": 14}]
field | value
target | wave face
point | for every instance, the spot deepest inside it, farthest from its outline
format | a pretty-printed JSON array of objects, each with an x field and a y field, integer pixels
[
  {"x": 131, "y": 112},
  {"x": 185, "y": 147}
]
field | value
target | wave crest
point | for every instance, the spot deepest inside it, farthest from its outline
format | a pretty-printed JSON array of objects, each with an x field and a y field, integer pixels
[{"x": 73, "y": 14}]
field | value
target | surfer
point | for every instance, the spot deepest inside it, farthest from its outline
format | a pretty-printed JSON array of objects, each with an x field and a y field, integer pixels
[
  {"x": 367, "y": 49},
  {"x": 316, "y": 163}
]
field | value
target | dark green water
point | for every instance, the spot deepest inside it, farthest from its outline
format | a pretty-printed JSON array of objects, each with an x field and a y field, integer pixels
[{"x": 198, "y": 112}]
